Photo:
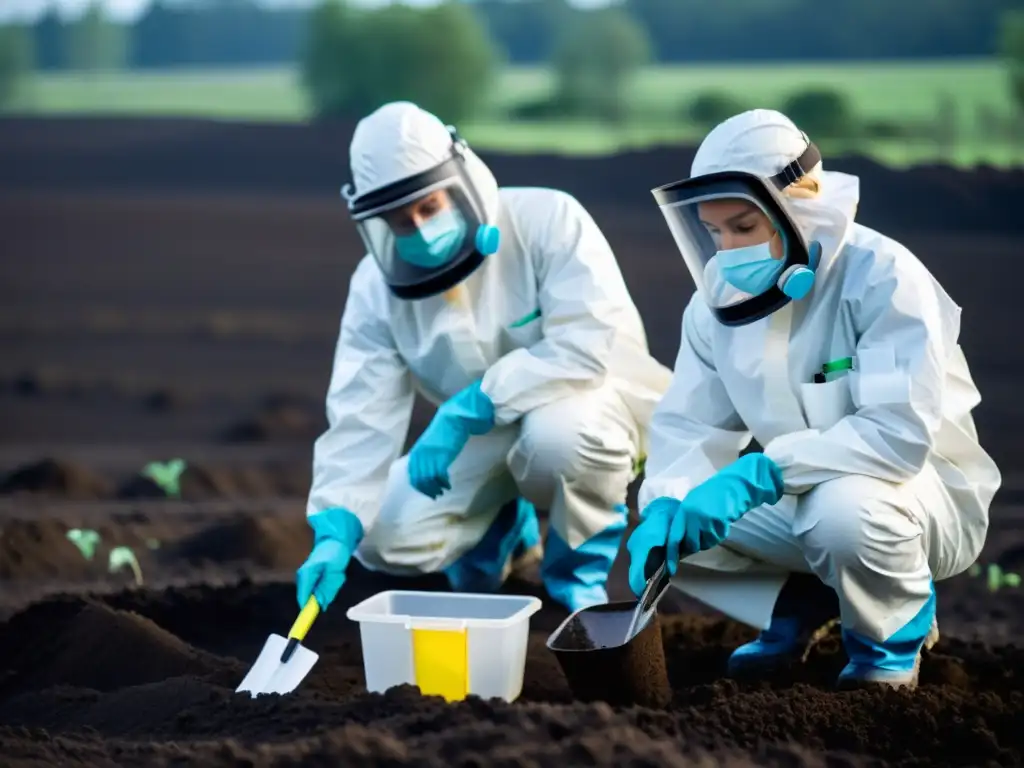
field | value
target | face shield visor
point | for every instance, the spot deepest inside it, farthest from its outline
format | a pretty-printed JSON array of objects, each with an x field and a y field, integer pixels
[
  {"x": 427, "y": 232},
  {"x": 746, "y": 255}
]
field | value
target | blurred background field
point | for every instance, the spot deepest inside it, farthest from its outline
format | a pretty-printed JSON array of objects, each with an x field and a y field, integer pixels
[
  {"x": 936, "y": 83},
  {"x": 659, "y": 96}
]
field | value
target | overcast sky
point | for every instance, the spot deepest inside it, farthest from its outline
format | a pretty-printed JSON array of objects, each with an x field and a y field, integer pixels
[{"x": 129, "y": 9}]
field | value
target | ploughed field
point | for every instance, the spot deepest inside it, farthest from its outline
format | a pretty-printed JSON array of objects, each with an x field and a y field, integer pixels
[{"x": 172, "y": 289}]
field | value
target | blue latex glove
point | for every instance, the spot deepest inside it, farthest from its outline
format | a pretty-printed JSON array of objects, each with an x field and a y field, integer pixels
[
  {"x": 337, "y": 533},
  {"x": 470, "y": 412},
  {"x": 702, "y": 519}
]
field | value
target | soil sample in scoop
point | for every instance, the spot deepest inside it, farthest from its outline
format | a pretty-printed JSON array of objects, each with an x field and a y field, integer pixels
[{"x": 600, "y": 666}]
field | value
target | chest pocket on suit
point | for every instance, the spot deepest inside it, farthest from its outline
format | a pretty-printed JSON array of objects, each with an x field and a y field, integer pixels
[
  {"x": 825, "y": 404},
  {"x": 522, "y": 332}
]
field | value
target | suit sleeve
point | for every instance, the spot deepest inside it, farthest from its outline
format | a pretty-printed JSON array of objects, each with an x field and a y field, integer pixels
[
  {"x": 583, "y": 300},
  {"x": 369, "y": 406},
  {"x": 695, "y": 430}
]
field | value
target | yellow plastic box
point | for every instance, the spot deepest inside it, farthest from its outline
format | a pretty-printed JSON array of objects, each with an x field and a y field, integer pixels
[{"x": 448, "y": 644}]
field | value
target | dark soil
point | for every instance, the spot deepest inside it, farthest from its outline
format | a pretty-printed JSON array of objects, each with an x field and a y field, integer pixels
[
  {"x": 199, "y": 483},
  {"x": 56, "y": 478},
  {"x": 268, "y": 542},
  {"x": 175, "y": 291},
  {"x": 65, "y": 479},
  {"x": 281, "y": 419},
  {"x": 140, "y": 676}
]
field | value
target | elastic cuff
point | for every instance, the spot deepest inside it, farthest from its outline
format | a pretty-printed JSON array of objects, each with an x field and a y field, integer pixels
[
  {"x": 336, "y": 523},
  {"x": 780, "y": 452},
  {"x": 774, "y": 476}
]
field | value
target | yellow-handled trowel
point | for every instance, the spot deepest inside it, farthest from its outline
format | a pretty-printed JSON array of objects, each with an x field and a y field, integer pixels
[{"x": 284, "y": 662}]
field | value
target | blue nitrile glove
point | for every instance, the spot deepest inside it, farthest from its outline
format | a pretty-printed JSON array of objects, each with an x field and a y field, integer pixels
[
  {"x": 702, "y": 519},
  {"x": 470, "y": 412},
  {"x": 337, "y": 533}
]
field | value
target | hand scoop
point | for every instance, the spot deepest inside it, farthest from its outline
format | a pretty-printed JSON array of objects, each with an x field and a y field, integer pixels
[
  {"x": 283, "y": 663},
  {"x": 657, "y": 586}
]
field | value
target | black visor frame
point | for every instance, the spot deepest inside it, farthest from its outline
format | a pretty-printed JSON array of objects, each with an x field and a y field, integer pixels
[
  {"x": 379, "y": 200},
  {"x": 768, "y": 194}
]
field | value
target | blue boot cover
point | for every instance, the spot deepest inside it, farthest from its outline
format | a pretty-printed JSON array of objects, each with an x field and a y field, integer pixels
[
  {"x": 803, "y": 605},
  {"x": 530, "y": 534},
  {"x": 516, "y": 528},
  {"x": 895, "y": 659},
  {"x": 780, "y": 642},
  {"x": 576, "y": 578}
]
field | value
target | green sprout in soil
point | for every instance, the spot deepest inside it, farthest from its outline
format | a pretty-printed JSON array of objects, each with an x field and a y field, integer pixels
[
  {"x": 86, "y": 541},
  {"x": 122, "y": 556},
  {"x": 995, "y": 577},
  {"x": 167, "y": 475}
]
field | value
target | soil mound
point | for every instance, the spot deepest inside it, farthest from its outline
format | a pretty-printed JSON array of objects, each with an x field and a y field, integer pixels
[
  {"x": 278, "y": 421},
  {"x": 82, "y": 643},
  {"x": 40, "y": 549},
  {"x": 51, "y": 477},
  {"x": 205, "y": 483},
  {"x": 276, "y": 543}
]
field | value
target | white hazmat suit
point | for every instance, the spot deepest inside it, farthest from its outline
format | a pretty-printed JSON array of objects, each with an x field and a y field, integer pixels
[
  {"x": 548, "y": 325},
  {"x": 886, "y": 487}
]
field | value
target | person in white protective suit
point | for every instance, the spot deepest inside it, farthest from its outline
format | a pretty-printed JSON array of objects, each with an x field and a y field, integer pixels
[
  {"x": 505, "y": 307},
  {"x": 836, "y": 349}
]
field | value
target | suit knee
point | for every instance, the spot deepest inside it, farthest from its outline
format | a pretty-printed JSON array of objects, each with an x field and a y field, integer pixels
[
  {"x": 551, "y": 453},
  {"x": 856, "y": 522},
  {"x": 398, "y": 541}
]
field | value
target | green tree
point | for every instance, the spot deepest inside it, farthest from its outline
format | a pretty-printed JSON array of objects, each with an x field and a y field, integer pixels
[
  {"x": 596, "y": 60},
  {"x": 823, "y": 114},
  {"x": 1011, "y": 48},
  {"x": 94, "y": 42},
  {"x": 439, "y": 57},
  {"x": 16, "y": 61},
  {"x": 710, "y": 108}
]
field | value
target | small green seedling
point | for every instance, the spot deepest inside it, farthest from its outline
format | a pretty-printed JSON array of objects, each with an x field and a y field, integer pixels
[
  {"x": 166, "y": 475},
  {"x": 153, "y": 543},
  {"x": 122, "y": 556},
  {"x": 995, "y": 577},
  {"x": 86, "y": 540}
]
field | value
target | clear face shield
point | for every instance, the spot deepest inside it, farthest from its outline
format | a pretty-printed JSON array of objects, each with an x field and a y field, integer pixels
[
  {"x": 427, "y": 232},
  {"x": 746, "y": 255}
]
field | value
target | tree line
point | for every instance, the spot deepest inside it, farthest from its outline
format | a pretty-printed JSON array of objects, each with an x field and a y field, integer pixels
[
  {"x": 239, "y": 32},
  {"x": 446, "y": 57}
]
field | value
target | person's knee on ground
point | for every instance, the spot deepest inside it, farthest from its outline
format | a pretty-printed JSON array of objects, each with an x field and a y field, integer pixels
[
  {"x": 859, "y": 536},
  {"x": 575, "y": 460}
]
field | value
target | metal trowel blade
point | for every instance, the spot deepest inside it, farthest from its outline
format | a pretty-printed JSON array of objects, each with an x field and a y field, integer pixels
[
  {"x": 647, "y": 605},
  {"x": 271, "y": 675}
]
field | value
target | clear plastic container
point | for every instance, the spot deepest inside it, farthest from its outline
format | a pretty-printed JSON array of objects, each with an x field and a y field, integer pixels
[{"x": 449, "y": 644}]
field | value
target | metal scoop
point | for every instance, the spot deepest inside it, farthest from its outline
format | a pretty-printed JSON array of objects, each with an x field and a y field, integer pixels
[
  {"x": 284, "y": 662},
  {"x": 613, "y": 652},
  {"x": 646, "y": 606}
]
